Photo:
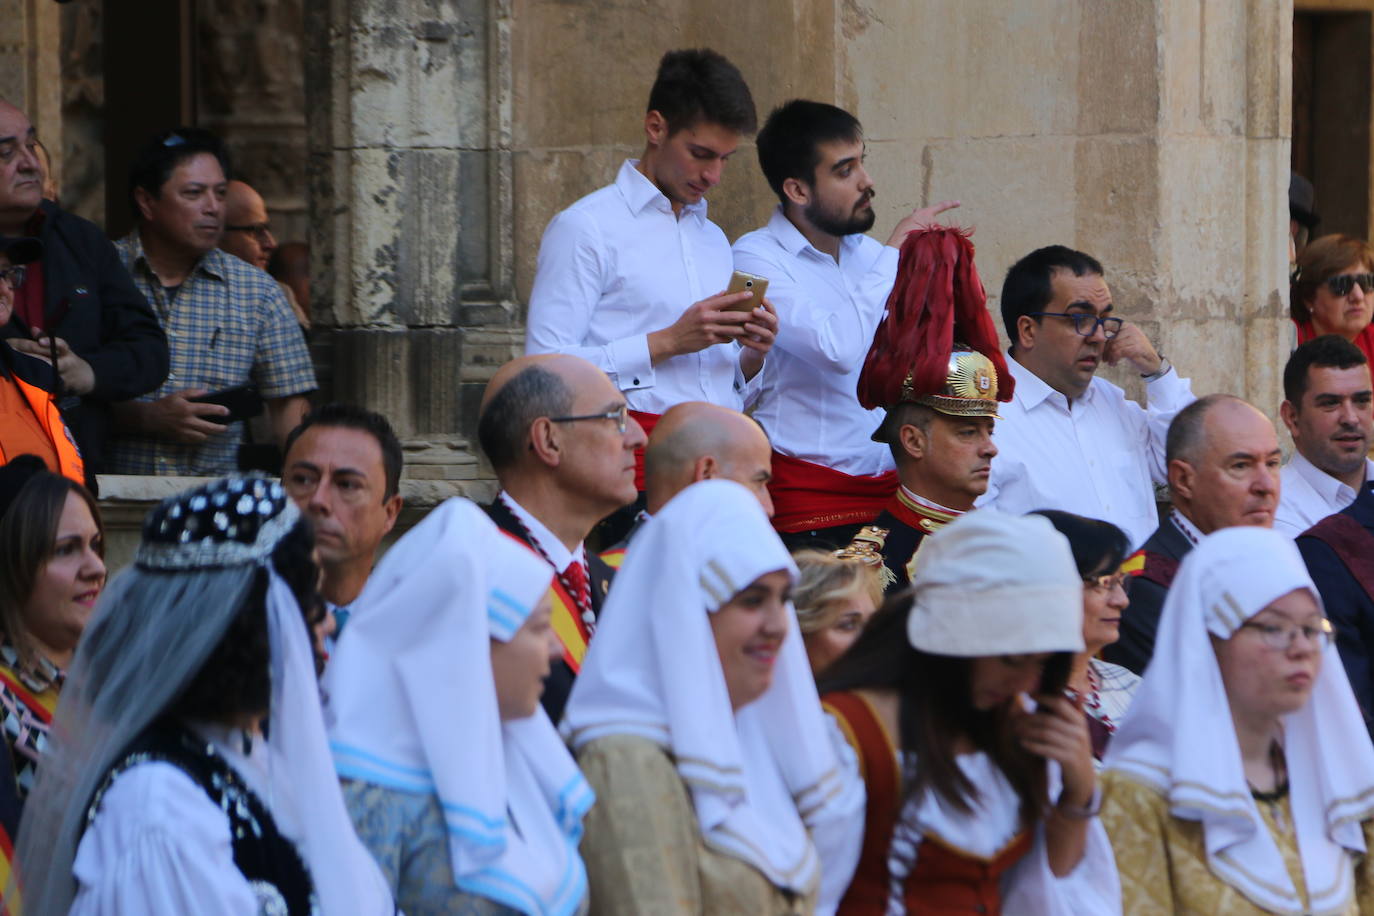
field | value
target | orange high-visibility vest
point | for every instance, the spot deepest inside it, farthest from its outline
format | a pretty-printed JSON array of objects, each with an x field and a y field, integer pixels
[{"x": 44, "y": 406}]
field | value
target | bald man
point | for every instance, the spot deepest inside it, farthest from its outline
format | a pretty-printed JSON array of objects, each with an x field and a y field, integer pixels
[
  {"x": 561, "y": 441},
  {"x": 1223, "y": 462},
  {"x": 248, "y": 237}
]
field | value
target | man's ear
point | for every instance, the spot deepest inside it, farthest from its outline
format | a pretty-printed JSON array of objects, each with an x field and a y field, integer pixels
[
  {"x": 1288, "y": 413},
  {"x": 796, "y": 191},
  {"x": 655, "y": 128},
  {"x": 392, "y": 508},
  {"x": 914, "y": 440},
  {"x": 1182, "y": 478},
  {"x": 544, "y": 443},
  {"x": 705, "y": 468},
  {"x": 144, "y": 200},
  {"x": 1026, "y": 330}
]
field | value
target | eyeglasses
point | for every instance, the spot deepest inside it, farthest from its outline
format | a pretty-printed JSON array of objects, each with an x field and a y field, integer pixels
[
  {"x": 261, "y": 231},
  {"x": 1106, "y": 583},
  {"x": 14, "y": 276},
  {"x": 1342, "y": 284},
  {"x": 1280, "y": 637},
  {"x": 1086, "y": 323},
  {"x": 619, "y": 415}
]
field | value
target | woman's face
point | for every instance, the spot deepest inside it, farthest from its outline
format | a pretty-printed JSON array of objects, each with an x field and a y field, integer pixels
[
  {"x": 1263, "y": 680},
  {"x": 1104, "y": 600},
  {"x": 1346, "y": 315},
  {"x": 848, "y": 617},
  {"x": 995, "y": 680},
  {"x": 68, "y": 585},
  {"x": 520, "y": 665},
  {"x": 749, "y": 630}
]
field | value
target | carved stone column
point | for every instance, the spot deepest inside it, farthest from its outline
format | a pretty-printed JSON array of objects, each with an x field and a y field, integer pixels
[
  {"x": 409, "y": 195},
  {"x": 30, "y": 76}
]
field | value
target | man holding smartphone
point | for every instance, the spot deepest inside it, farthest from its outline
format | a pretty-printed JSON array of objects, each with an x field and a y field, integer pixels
[
  {"x": 630, "y": 277},
  {"x": 830, "y": 283}
]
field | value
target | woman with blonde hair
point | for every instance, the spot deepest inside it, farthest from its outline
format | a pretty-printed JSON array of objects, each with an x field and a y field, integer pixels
[{"x": 834, "y": 597}]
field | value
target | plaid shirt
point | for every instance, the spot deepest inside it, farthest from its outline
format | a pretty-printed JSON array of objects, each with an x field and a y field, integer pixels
[{"x": 229, "y": 325}]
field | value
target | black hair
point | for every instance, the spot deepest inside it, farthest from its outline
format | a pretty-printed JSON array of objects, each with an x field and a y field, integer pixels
[
  {"x": 1098, "y": 547},
  {"x": 154, "y": 163},
  {"x": 504, "y": 425},
  {"x": 236, "y": 679},
  {"x": 1028, "y": 286},
  {"x": 905, "y": 413},
  {"x": 935, "y": 707},
  {"x": 700, "y": 85},
  {"x": 1330, "y": 351},
  {"x": 1186, "y": 428},
  {"x": 351, "y": 416},
  {"x": 789, "y": 144}
]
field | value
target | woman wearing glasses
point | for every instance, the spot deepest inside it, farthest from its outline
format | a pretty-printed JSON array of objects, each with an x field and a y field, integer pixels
[
  {"x": 1105, "y": 689},
  {"x": 1333, "y": 291},
  {"x": 1243, "y": 780}
]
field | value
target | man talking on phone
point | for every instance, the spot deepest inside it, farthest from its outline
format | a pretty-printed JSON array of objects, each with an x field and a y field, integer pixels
[
  {"x": 830, "y": 283},
  {"x": 630, "y": 277}
]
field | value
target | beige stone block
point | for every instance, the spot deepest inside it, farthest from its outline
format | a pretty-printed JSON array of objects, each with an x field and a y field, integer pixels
[
  {"x": 1118, "y": 67},
  {"x": 1117, "y": 205},
  {"x": 1203, "y": 217},
  {"x": 1203, "y": 59},
  {"x": 1210, "y": 352},
  {"x": 1269, "y": 68}
]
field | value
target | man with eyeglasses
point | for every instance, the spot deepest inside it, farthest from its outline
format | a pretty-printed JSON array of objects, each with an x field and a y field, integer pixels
[
  {"x": 248, "y": 236},
  {"x": 559, "y": 436},
  {"x": 77, "y": 303},
  {"x": 1223, "y": 462},
  {"x": 1069, "y": 440}
]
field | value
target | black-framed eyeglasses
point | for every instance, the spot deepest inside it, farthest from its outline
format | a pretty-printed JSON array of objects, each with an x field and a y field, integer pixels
[
  {"x": 1280, "y": 637},
  {"x": 619, "y": 415},
  {"x": 1342, "y": 284},
  {"x": 13, "y": 275},
  {"x": 260, "y": 231},
  {"x": 1086, "y": 323}
]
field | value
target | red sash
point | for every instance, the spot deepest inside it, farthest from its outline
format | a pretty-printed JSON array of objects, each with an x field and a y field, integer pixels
[
  {"x": 566, "y": 619},
  {"x": 648, "y": 421},
  {"x": 867, "y": 893},
  {"x": 613, "y": 557},
  {"x": 807, "y": 496},
  {"x": 41, "y": 705}
]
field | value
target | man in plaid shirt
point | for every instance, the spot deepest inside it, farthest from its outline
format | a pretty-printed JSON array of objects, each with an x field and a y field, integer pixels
[{"x": 227, "y": 323}]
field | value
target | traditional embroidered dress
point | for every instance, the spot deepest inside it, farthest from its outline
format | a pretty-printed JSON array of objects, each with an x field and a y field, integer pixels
[
  {"x": 897, "y": 533},
  {"x": 1110, "y": 688},
  {"x": 28, "y": 697},
  {"x": 1189, "y": 834}
]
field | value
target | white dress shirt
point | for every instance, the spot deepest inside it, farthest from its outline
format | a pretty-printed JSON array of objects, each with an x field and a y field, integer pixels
[
  {"x": 1307, "y": 494},
  {"x": 827, "y": 313},
  {"x": 554, "y": 550},
  {"x": 619, "y": 264},
  {"x": 1098, "y": 459}
]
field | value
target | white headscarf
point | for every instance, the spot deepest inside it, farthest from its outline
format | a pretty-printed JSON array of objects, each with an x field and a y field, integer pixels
[
  {"x": 1178, "y": 735},
  {"x": 413, "y": 707},
  {"x": 759, "y": 779}
]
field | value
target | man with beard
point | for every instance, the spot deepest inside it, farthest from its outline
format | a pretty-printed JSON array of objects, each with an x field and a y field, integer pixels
[
  {"x": 829, "y": 283},
  {"x": 1070, "y": 440},
  {"x": 1328, "y": 408},
  {"x": 1223, "y": 462}
]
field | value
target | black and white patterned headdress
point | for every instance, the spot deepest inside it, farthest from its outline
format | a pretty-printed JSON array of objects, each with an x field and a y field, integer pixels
[{"x": 223, "y": 523}]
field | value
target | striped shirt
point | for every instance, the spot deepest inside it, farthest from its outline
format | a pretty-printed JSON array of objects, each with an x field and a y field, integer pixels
[{"x": 228, "y": 325}]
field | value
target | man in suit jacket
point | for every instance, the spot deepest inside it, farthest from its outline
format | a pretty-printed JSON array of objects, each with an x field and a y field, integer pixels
[
  {"x": 558, "y": 435},
  {"x": 1223, "y": 462}
]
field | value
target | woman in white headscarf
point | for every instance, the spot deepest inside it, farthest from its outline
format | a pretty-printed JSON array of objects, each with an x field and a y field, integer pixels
[
  {"x": 1242, "y": 781},
  {"x": 696, "y": 719},
  {"x": 456, "y": 779},
  {"x": 163, "y": 792}
]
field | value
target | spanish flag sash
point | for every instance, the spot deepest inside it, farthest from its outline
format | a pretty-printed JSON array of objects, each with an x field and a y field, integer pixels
[
  {"x": 42, "y": 705},
  {"x": 613, "y": 557},
  {"x": 566, "y": 619}
]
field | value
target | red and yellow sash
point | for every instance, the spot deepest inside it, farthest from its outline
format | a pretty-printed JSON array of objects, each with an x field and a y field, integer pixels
[
  {"x": 43, "y": 705},
  {"x": 566, "y": 619},
  {"x": 613, "y": 557}
]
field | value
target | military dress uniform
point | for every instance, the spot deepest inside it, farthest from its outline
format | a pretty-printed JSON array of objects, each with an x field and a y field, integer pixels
[{"x": 895, "y": 536}]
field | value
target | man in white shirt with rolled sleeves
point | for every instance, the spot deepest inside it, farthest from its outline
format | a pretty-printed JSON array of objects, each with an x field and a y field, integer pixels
[
  {"x": 1069, "y": 440},
  {"x": 630, "y": 277},
  {"x": 830, "y": 283}
]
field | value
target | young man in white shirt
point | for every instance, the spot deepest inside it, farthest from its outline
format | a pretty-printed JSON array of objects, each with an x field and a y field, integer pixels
[
  {"x": 829, "y": 283},
  {"x": 1328, "y": 408},
  {"x": 630, "y": 277},
  {"x": 1069, "y": 440}
]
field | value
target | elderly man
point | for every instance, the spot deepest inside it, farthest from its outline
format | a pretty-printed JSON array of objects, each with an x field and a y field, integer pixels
[
  {"x": 1328, "y": 408},
  {"x": 233, "y": 337},
  {"x": 1069, "y": 440},
  {"x": 76, "y": 301},
  {"x": 343, "y": 469},
  {"x": 1223, "y": 458},
  {"x": 248, "y": 236},
  {"x": 559, "y": 436}
]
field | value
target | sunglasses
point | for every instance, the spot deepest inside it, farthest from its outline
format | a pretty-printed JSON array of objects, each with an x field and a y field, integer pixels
[{"x": 1342, "y": 285}]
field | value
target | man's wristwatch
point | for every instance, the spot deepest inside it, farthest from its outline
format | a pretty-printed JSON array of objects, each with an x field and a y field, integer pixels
[{"x": 1163, "y": 370}]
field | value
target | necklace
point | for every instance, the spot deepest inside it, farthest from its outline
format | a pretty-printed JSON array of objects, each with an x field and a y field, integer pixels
[
  {"x": 1273, "y": 799},
  {"x": 574, "y": 578}
]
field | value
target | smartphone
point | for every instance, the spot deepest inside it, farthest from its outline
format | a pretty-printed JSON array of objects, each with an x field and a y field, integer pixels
[
  {"x": 742, "y": 282},
  {"x": 243, "y": 402}
]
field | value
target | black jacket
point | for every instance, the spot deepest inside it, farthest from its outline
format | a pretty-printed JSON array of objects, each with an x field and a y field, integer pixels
[
  {"x": 91, "y": 302},
  {"x": 1163, "y": 552},
  {"x": 560, "y": 680}
]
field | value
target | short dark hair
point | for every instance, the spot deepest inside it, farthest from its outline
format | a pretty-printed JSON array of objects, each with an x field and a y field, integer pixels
[
  {"x": 351, "y": 416},
  {"x": 505, "y": 423},
  {"x": 789, "y": 144},
  {"x": 1185, "y": 430},
  {"x": 700, "y": 85},
  {"x": 1330, "y": 351},
  {"x": 905, "y": 413},
  {"x": 1027, "y": 287},
  {"x": 154, "y": 163},
  {"x": 1098, "y": 547}
]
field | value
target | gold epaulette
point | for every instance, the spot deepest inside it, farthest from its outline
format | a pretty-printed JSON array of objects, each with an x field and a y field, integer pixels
[{"x": 867, "y": 548}]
